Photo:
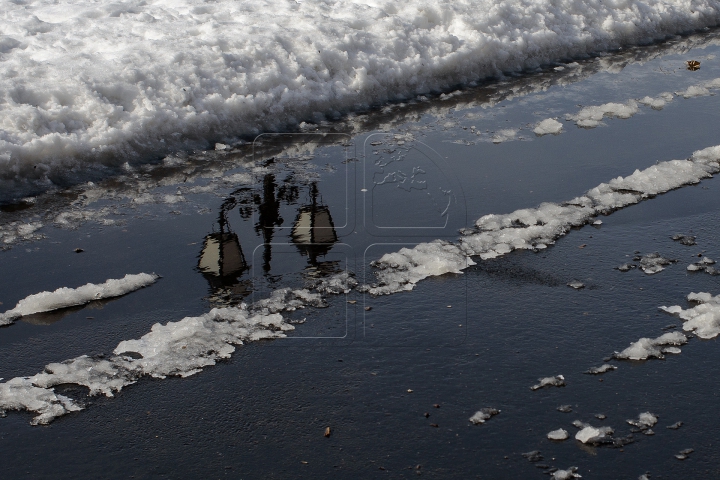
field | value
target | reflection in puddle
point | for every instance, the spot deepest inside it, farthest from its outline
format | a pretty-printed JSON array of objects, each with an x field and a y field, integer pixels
[
  {"x": 314, "y": 232},
  {"x": 222, "y": 261}
]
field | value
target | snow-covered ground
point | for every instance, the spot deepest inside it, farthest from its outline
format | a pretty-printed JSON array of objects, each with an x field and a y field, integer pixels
[{"x": 88, "y": 84}]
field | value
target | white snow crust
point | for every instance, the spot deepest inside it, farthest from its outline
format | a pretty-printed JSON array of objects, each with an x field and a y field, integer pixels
[
  {"x": 180, "y": 348},
  {"x": 86, "y": 84},
  {"x": 657, "y": 103},
  {"x": 495, "y": 235},
  {"x": 702, "y": 319},
  {"x": 547, "y": 127},
  {"x": 69, "y": 297}
]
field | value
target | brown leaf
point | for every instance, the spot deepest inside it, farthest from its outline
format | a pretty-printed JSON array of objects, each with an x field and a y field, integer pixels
[{"x": 327, "y": 431}]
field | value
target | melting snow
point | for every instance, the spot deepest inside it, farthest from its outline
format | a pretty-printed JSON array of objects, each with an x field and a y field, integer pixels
[
  {"x": 702, "y": 319},
  {"x": 652, "y": 347},
  {"x": 70, "y": 297}
]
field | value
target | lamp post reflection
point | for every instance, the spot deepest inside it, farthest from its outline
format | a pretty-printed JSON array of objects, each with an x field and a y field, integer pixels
[
  {"x": 222, "y": 262},
  {"x": 314, "y": 232}
]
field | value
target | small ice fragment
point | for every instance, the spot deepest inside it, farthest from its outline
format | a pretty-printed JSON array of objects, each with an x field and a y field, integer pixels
[
  {"x": 556, "y": 381},
  {"x": 221, "y": 146},
  {"x": 675, "y": 426},
  {"x": 673, "y": 350},
  {"x": 649, "y": 432},
  {"x": 707, "y": 261},
  {"x": 601, "y": 369},
  {"x": 548, "y": 126},
  {"x": 559, "y": 434},
  {"x": 694, "y": 268},
  {"x": 577, "y": 285},
  {"x": 564, "y": 408},
  {"x": 566, "y": 474},
  {"x": 593, "y": 435},
  {"x": 684, "y": 239},
  {"x": 680, "y": 456},
  {"x": 645, "y": 420},
  {"x": 597, "y": 222},
  {"x": 600, "y": 416},
  {"x": 702, "y": 319},
  {"x": 687, "y": 451},
  {"x": 483, "y": 414},
  {"x": 644, "y": 476},
  {"x": 654, "y": 262},
  {"x": 626, "y": 267},
  {"x": 579, "y": 424},
  {"x": 533, "y": 456}
]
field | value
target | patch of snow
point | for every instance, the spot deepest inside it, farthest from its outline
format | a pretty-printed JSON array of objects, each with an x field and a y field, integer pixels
[
  {"x": 549, "y": 126},
  {"x": 651, "y": 347},
  {"x": 69, "y": 297}
]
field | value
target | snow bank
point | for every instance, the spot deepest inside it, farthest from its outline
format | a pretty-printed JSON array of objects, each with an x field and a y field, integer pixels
[
  {"x": 180, "y": 348},
  {"x": 702, "y": 319},
  {"x": 536, "y": 228},
  {"x": 86, "y": 85},
  {"x": 69, "y": 297}
]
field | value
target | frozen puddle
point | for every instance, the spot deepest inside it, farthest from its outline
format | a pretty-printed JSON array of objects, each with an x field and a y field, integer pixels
[
  {"x": 71, "y": 297},
  {"x": 536, "y": 228}
]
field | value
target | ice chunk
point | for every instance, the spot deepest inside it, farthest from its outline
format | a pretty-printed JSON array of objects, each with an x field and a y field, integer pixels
[
  {"x": 505, "y": 135},
  {"x": 594, "y": 435},
  {"x": 556, "y": 381},
  {"x": 564, "y": 408},
  {"x": 549, "y": 126},
  {"x": 684, "y": 239},
  {"x": 483, "y": 414},
  {"x": 625, "y": 267},
  {"x": 533, "y": 456},
  {"x": 645, "y": 420},
  {"x": 576, "y": 284},
  {"x": 653, "y": 263},
  {"x": 559, "y": 434},
  {"x": 651, "y": 347},
  {"x": 702, "y": 319},
  {"x": 675, "y": 426},
  {"x": 568, "y": 474},
  {"x": 591, "y": 117},
  {"x": 704, "y": 266},
  {"x": 606, "y": 367},
  {"x": 70, "y": 297}
]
